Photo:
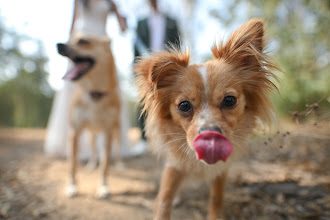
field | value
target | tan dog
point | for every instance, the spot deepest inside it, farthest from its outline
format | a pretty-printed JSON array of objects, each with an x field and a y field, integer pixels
[
  {"x": 95, "y": 103},
  {"x": 200, "y": 114}
]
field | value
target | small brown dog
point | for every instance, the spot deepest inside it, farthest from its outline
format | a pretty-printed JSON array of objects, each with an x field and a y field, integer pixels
[
  {"x": 95, "y": 104},
  {"x": 200, "y": 114}
]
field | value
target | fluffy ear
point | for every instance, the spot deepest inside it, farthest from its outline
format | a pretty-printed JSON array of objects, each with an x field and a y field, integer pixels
[
  {"x": 156, "y": 74},
  {"x": 244, "y": 45},
  {"x": 244, "y": 50},
  {"x": 160, "y": 69}
]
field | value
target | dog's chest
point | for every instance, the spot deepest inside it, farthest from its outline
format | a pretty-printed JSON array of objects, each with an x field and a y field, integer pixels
[{"x": 94, "y": 113}]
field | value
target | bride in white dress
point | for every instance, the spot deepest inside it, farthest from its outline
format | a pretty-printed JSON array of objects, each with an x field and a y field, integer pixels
[{"x": 90, "y": 17}]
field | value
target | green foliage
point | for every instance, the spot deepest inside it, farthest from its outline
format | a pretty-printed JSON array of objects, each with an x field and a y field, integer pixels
[
  {"x": 300, "y": 37},
  {"x": 25, "y": 96}
]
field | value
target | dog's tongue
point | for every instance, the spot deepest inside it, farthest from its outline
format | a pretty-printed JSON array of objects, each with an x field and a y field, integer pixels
[
  {"x": 212, "y": 146},
  {"x": 74, "y": 72}
]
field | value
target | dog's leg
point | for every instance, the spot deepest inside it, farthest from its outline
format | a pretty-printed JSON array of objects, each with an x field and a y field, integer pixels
[
  {"x": 216, "y": 197},
  {"x": 170, "y": 182},
  {"x": 117, "y": 142},
  {"x": 73, "y": 138},
  {"x": 103, "y": 190},
  {"x": 92, "y": 162}
]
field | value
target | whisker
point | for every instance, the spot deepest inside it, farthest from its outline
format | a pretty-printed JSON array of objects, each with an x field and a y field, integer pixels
[
  {"x": 241, "y": 137},
  {"x": 181, "y": 147},
  {"x": 186, "y": 154},
  {"x": 172, "y": 134},
  {"x": 189, "y": 157},
  {"x": 242, "y": 129},
  {"x": 171, "y": 141}
]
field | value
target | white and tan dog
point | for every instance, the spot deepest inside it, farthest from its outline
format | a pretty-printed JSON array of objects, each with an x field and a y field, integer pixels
[
  {"x": 95, "y": 104},
  {"x": 200, "y": 114}
]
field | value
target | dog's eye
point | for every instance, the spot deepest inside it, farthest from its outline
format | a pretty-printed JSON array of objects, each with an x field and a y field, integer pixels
[
  {"x": 185, "y": 107},
  {"x": 229, "y": 102},
  {"x": 83, "y": 42}
]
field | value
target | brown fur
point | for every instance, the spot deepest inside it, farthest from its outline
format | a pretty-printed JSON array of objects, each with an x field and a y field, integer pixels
[
  {"x": 240, "y": 68},
  {"x": 96, "y": 115}
]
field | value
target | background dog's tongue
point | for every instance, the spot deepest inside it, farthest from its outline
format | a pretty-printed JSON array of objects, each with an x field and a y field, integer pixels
[
  {"x": 212, "y": 146},
  {"x": 74, "y": 72}
]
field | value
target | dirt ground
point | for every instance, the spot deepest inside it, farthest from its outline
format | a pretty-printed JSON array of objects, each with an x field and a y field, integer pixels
[{"x": 285, "y": 175}]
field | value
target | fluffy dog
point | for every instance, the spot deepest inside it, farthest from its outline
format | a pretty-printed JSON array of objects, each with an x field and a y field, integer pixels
[
  {"x": 95, "y": 104},
  {"x": 200, "y": 114}
]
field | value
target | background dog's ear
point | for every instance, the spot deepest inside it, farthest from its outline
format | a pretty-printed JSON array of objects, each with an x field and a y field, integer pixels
[
  {"x": 105, "y": 39},
  {"x": 246, "y": 44}
]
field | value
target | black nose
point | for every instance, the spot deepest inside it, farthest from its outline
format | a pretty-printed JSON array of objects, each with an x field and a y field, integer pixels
[
  {"x": 61, "y": 48},
  {"x": 212, "y": 128}
]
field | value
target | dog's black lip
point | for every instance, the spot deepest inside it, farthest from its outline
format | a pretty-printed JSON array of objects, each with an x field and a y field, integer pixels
[{"x": 79, "y": 59}]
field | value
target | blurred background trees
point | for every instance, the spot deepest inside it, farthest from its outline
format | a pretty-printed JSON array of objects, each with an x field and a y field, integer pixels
[{"x": 25, "y": 95}]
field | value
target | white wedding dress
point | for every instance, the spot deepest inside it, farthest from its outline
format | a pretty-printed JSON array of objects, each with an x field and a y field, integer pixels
[{"x": 91, "y": 20}]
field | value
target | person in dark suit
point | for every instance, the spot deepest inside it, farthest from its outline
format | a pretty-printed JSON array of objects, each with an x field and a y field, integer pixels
[{"x": 153, "y": 34}]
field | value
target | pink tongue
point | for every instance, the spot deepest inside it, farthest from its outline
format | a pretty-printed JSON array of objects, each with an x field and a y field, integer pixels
[
  {"x": 212, "y": 146},
  {"x": 74, "y": 72}
]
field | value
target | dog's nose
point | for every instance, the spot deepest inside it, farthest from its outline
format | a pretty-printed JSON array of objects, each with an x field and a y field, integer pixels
[
  {"x": 61, "y": 48},
  {"x": 212, "y": 128}
]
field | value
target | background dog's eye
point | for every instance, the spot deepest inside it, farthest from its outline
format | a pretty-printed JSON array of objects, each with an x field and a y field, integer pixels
[
  {"x": 185, "y": 107},
  {"x": 83, "y": 42},
  {"x": 229, "y": 102}
]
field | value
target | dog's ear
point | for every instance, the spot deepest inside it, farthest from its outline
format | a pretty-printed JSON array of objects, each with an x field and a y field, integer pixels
[
  {"x": 160, "y": 70},
  {"x": 244, "y": 46},
  {"x": 155, "y": 78},
  {"x": 244, "y": 50},
  {"x": 106, "y": 40}
]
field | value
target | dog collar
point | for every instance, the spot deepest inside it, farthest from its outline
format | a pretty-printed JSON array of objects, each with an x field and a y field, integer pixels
[{"x": 97, "y": 95}]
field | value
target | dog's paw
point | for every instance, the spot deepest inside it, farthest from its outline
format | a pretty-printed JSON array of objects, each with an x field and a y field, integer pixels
[
  {"x": 91, "y": 165},
  {"x": 103, "y": 192},
  {"x": 71, "y": 190}
]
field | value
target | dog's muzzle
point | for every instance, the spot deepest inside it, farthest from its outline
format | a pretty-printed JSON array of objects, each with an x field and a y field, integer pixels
[{"x": 211, "y": 145}]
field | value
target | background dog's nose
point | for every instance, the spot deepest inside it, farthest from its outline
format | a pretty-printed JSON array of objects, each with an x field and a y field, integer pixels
[
  {"x": 212, "y": 128},
  {"x": 61, "y": 48}
]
